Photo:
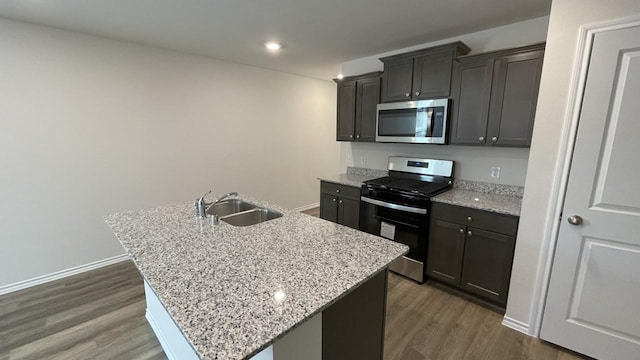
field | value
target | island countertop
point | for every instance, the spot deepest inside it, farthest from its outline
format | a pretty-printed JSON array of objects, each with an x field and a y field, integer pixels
[{"x": 219, "y": 284}]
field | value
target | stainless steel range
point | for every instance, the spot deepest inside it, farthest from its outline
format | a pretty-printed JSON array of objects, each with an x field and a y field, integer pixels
[{"x": 398, "y": 207}]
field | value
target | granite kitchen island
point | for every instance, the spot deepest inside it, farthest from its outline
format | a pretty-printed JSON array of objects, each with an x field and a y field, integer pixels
[{"x": 270, "y": 290}]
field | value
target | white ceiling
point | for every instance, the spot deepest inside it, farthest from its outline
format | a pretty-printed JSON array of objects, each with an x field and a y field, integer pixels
[{"x": 319, "y": 34}]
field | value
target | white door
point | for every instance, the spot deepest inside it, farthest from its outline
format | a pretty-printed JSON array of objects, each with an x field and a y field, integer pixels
[{"x": 593, "y": 303}]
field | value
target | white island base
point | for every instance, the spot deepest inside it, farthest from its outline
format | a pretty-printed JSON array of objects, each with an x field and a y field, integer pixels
[{"x": 305, "y": 342}]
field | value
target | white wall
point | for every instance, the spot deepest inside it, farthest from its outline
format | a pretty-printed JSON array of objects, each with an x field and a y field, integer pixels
[
  {"x": 472, "y": 163},
  {"x": 90, "y": 126},
  {"x": 547, "y": 153}
]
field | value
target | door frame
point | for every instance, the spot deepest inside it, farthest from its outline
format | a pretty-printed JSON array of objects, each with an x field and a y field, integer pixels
[{"x": 571, "y": 119}]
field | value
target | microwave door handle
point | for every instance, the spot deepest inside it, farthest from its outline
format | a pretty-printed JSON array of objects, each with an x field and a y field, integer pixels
[{"x": 429, "y": 121}]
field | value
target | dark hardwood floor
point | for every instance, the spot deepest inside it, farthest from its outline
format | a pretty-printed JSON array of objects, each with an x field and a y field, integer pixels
[
  {"x": 313, "y": 212},
  {"x": 100, "y": 315},
  {"x": 94, "y": 315}
]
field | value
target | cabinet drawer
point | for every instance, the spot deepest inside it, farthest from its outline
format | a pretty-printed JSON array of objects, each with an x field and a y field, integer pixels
[
  {"x": 349, "y": 192},
  {"x": 500, "y": 223}
]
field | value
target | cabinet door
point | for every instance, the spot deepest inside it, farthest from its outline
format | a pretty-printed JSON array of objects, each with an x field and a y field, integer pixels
[
  {"x": 346, "y": 111},
  {"x": 349, "y": 213},
  {"x": 486, "y": 268},
  {"x": 368, "y": 91},
  {"x": 514, "y": 98},
  {"x": 329, "y": 207},
  {"x": 397, "y": 78},
  {"x": 432, "y": 75},
  {"x": 471, "y": 98},
  {"x": 445, "y": 252}
]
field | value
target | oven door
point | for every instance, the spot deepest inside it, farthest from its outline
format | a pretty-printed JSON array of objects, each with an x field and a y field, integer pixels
[{"x": 404, "y": 224}]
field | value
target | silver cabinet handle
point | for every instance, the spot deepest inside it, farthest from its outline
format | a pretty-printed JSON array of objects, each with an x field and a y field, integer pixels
[
  {"x": 334, "y": 200},
  {"x": 494, "y": 139},
  {"x": 461, "y": 230},
  {"x": 417, "y": 93},
  {"x": 340, "y": 201},
  {"x": 407, "y": 94},
  {"x": 469, "y": 218},
  {"x": 575, "y": 220},
  {"x": 337, "y": 190},
  {"x": 481, "y": 139},
  {"x": 350, "y": 136},
  {"x": 469, "y": 233},
  {"x": 357, "y": 136}
]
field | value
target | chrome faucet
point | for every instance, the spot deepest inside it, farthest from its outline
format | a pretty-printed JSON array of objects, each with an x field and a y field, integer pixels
[
  {"x": 202, "y": 206},
  {"x": 233, "y": 193}
]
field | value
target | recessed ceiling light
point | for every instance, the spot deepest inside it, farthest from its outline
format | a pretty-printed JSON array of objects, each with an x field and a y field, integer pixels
[
  {"x": 340, "y": 76},
  {"x": 272, "y": 45}
]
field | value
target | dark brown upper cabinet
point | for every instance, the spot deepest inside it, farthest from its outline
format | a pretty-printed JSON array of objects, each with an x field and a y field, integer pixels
[
  {"x": 358, "y": 98},
  {"x": 495, "y": 96},
  {"x": 422, "y": 74}
]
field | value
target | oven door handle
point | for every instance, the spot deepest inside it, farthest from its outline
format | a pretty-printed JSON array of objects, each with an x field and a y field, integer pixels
[{"x": 394, "y": 206}]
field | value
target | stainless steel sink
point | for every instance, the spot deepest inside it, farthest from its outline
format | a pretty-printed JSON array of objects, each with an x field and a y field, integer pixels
[
  {"x": 228, "y": 207},
  {"x": 251, "y": 217}
]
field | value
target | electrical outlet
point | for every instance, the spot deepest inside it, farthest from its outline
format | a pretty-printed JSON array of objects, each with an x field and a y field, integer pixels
[{"x": 495, "y": 172}]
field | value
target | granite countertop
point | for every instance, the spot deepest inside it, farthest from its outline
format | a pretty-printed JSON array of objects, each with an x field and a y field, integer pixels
[
  {"x": 348, "y": 179},
  {"x": 355, "y": 176},
  {"x": 503, "y": 204},
  {"x": 218, "y": 284}
]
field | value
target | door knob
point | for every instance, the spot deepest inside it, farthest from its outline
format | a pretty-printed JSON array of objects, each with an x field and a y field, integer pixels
[{"x": 574, "y": 220}]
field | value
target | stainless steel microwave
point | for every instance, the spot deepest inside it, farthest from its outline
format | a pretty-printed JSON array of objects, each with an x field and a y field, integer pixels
[{"x": 419, "y": 122}]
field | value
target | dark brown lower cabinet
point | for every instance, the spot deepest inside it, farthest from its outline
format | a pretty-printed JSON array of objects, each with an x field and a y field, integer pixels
[
  {"x": 340, "y": 204},
  {"x": 353, "y": 327},
  {"x": 472, "y": 250},
  {"x": 329, "y": 207},
  {"x": 447, "y": 242},
  {"x": 486, "y": 270},
  {"x": 349, "y": 212}
]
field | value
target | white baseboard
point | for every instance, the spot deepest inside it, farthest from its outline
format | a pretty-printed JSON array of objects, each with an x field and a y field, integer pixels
[
  {"x": 516, "y": 325},
  {"x": 61, "y": 274},
  {"x": 307, "y": 207}
]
